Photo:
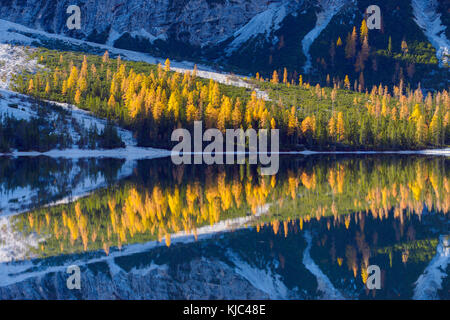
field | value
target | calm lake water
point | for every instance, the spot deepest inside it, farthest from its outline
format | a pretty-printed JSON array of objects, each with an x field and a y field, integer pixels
[{"x": 150, "y": 229}]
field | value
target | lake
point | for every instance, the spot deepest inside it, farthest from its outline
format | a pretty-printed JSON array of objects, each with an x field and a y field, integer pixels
[{"x": 148, "y": 229}]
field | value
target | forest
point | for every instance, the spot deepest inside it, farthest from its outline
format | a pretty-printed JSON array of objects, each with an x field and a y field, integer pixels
[{"x": 152, "y": 101}]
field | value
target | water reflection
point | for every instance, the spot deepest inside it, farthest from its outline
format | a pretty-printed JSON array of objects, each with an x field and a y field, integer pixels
[
  {"x": 30, "y": 182},
  {"x": 159, "y": 200},
  {"x": 391, "y": 211}
]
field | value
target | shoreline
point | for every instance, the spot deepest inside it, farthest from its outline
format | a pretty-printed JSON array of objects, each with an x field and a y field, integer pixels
[{"x": 141, "y": 153}]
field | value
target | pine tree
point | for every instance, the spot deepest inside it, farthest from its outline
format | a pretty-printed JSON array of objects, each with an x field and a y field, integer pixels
[
  {"x": 167, "y": 65},
  {"x": 285, "y": 76},
  {"x": 364, "y": 30},
  {"x": 47, "y": 88},
  {"x": 275, "y": 79},
  {"x": 64, "y": 87},
  {"x": 173, "y": 106},
  {"x": 340, "y": 129},
  {"x": 30, "y": 86},
  {"x": 404, "y": 47},
  {"x": 347, "y": 82},
  {"x": 292, "y": 122},
  {"x": 365, "y": 49},
  {"x": 73, "y": 77},
  {"x": 236, "y": 115},
  {"x": 436, "y": 127},
  {"x": 78, "y": 96},
  {"x": 350, "y": 48},
  {"x": 273, "y": 124},
  {"x": 421, "y": 131},
  {"x": 332, "y": 127},
  {"x": 82, "y": 84},
  {"x": 105, "y": 57},
  {"x": 389, "y": 49},
  {"x": 84, "y": 67},
  {"x": 111, "y": 101}
]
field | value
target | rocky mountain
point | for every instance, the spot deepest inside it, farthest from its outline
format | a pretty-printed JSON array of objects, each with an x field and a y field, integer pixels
[
  {"x": 196, "y": 22},
  {"x": 250, "y": 36}
]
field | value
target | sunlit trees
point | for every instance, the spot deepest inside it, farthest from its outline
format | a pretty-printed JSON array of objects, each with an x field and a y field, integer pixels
[
  {"x": 155, "y": 100},
  {"x": 275, "y": 79}
]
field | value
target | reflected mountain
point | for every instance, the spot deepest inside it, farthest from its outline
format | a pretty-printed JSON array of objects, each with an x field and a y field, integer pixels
[
  {"x": 226, "y": 232},
  {"x": 30, "y": 182}
]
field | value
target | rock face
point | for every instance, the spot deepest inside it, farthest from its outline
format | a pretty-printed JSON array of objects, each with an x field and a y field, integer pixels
[
  {"x": 198, "y": 22},
  {"x": 197, "y": 279}
]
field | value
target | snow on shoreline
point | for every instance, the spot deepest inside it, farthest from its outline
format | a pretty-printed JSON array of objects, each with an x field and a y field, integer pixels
[
  {"x": 142, "y": 153},
  {"x": 324, "y": 285},
  {"x": 429, "y": 20},
  {"x": 430, "y": 281},
  {"x": 329, "y": 9}
]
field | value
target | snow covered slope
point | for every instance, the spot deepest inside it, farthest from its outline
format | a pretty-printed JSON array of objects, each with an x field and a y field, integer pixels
[
  {"x": 324, "y": 285},
  {"x": 263, "y": 24},
  {"x": 427, "y": 17},
  {"x": 76, "y": 184},
  {"x": 431, "y": 280},
  {"x": 329, "y": 9},
  {"x": 12, "y": 33},
  {"x": 13, "y": 59}
]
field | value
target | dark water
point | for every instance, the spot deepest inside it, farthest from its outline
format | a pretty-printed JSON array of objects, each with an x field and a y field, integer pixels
[{"x": 215, "y": 232}]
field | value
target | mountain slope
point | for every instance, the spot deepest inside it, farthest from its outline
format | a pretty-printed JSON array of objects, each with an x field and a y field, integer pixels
[{"x": 250, "y": 36}]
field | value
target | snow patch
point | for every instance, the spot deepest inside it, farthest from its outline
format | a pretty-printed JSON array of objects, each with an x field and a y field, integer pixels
[
  {"x": 324, "y": 285},
  {"x": 261, "y": 279},
  {"x": 21, "y": 199},
  {"x": 13, "y": 59},
  {"x": 329, "y": 9},
  {"x": 431, "y": 280},
  {"x": 264, "y": 23},
  {"x": 13, "y": 245},
  {"x": 429, "y": 20}
]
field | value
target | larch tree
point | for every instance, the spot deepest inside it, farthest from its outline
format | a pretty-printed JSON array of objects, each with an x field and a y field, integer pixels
[
  {"x": 275, "y": 79},
  {"x": 340, "y": 127},
  {"x": 105, "y": 58},
  {"x": 347, "y": 82},
  {"x": 30, "y": 86},
  {"x": 167, "y": 65},
  {"x": 364, "y": 31},
  {"x": 47, "y": 88},
  {"x": 77, "y": 96},
  {"x": 285, "y": 76},
  {"x": 236, "y": 115}
]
